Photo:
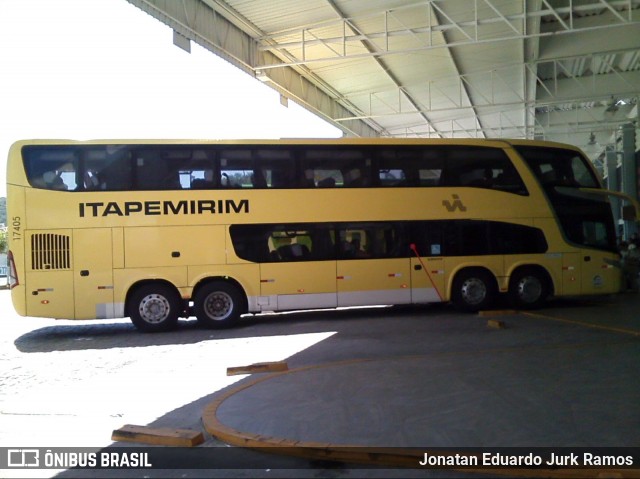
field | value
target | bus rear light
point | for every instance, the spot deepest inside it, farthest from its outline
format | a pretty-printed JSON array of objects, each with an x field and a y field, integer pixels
[{"x": 12, "y": 271}]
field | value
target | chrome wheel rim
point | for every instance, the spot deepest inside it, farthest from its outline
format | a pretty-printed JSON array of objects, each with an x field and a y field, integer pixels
[
  {"x": 154, "y": 308},
  {"x": 473, "y": 291},
  {"x": 218, "y": 305},
  {"x": 529, "y": 289}
]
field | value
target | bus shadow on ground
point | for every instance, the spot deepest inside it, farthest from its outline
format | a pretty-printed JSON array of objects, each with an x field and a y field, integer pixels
[{"x": 122, "y": 334}]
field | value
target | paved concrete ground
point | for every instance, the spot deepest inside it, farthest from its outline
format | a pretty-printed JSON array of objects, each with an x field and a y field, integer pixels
[
  {"x": 396, "y": 377},
  {"x": 441, "y": 380}
]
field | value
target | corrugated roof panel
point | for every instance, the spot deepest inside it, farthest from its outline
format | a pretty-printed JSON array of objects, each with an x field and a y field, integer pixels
[
  {"x": 389, "y": 58},
  {"x": 276, "y": 15}
]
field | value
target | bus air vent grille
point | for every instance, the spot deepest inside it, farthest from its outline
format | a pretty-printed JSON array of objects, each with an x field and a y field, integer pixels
[{"x": 50, "y": 251}]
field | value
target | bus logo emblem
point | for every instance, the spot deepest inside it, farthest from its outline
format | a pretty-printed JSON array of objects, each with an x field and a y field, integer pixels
[{"x": 456, "y": 204}]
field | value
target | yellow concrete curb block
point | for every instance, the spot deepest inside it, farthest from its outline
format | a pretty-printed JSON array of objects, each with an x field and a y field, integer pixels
[{"x": 496, "y": 324}]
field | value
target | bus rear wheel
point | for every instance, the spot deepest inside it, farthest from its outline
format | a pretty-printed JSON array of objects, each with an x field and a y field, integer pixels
[
  {"x": 473, "y": 290},
  {"x": 154, "y": 308},
  {"x": 218, "y": 305},
  {"x": 528, "y": 288}
]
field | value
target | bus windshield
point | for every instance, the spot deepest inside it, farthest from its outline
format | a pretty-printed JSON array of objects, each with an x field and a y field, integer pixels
[
  {"x": 559, "y": 167},
  {"x": 585, "y": 220}
]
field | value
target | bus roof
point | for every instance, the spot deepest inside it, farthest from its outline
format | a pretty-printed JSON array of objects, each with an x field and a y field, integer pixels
[{"x": 488, "y": 142}]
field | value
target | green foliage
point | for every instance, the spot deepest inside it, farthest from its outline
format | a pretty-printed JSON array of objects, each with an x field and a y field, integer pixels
[
  {"x": 3, "y": 211},
  {"x": 3, "y": 220}
]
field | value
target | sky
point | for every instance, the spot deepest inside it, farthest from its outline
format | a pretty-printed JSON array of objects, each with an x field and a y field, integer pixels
[{"x": 103, "y": 69}]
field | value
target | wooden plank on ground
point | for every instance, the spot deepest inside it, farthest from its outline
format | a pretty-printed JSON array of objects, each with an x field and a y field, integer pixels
[
  {"x": 258, "y": 368},
  {"x": 499, "y": 312},
  {"x": 158, "y": 436}
]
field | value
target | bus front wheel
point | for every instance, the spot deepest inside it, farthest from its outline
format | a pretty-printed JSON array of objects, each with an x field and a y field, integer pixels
[
  {"x": 473, "y": 290},
  {"x": 218, "y": 305},
  {"x": 154, "y": 308}
]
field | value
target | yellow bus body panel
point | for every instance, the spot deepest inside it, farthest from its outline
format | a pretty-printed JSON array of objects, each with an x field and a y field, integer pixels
[
  {"x": 50, "y": 294},
  {"x": 285, "y": 286},
  {"x": 149, "y": 247},
  {"x": 365, "y": 282}
]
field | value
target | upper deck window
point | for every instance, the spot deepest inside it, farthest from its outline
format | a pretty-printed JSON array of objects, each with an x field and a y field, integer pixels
[
  {"x": 51, "y": 168},
  {"x": 487, "y": 168},
  {"x": 337, "y": 167},
  {"x": 194, "y": 167}
]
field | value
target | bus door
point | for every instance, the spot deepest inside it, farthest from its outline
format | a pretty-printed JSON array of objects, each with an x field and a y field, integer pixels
[
  {"x": 300, "y": 272},
  {"x": 371, "y": 269},
  {"x": 93, "y": 276}
]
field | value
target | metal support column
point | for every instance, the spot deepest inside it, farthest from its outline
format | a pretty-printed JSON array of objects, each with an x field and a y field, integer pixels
[
  {"x": 613, "y": 184},
  {"x": 629, "y": 171}
]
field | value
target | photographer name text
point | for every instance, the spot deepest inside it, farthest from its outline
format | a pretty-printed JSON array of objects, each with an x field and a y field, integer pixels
[{"x": 487, "y": 459}]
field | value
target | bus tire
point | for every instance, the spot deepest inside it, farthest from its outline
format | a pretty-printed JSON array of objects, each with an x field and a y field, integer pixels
[
  {"x": 528, "y": 288},
  {"x": 473, "y": 290},
  {"x": 218, "y": 305},
  {"x": 154, "y": 308}
]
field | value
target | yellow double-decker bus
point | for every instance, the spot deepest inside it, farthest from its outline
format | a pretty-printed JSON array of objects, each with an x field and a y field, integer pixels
[{"x": 158, "y": 230}]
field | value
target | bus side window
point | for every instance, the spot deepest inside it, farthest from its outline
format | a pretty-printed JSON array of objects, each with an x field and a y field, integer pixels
[
  {"x": 59, "y": 180},
  {"x": 195, "y": 168},
  {"x": 410, "y": 166},
  {"x": 236, "y": 169},
  {"x": 337, "y": 167},
  {"x": 429, "y": 177},
  {"x": 353, "y": 177},
  {"x": 201, "y": 179},
  {"x": 426, "y": 236},
  {"x": 52, "y": 167},
  {"x": 377, "y": 240},
  {"x": 269, "y": 243},
  {"x": 329, "y": 180},
  {"x": 199, "y": 172},
  {"x": 487, "y": 168},
  {"x": 116, "y": 175},
  {"x": 274, "y": 168},
  {"x": 307, "y": 180},
  {"x": 466, "y": 238},
  {"x": 291, "y": 243},
  {"x": 389, "y": 177},
  {"x": 509, "y": 238},
  {"x": 155, "y": 171},
  {"x": 394, "y": 168}
]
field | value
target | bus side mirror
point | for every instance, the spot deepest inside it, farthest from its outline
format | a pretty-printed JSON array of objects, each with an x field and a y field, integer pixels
[{"x": 629, "y": 213}]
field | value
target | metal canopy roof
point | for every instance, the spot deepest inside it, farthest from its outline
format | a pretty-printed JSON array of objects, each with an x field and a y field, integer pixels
[{"x": 565, "y": 70}]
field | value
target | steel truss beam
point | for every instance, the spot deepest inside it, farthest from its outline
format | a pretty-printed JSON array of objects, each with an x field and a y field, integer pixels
[
  {"x": 572, "y": 119},
  {"x": 373, "y": 48},
  {"x": 487, "y": 86},
  {"x": 569, "y": 20}
]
